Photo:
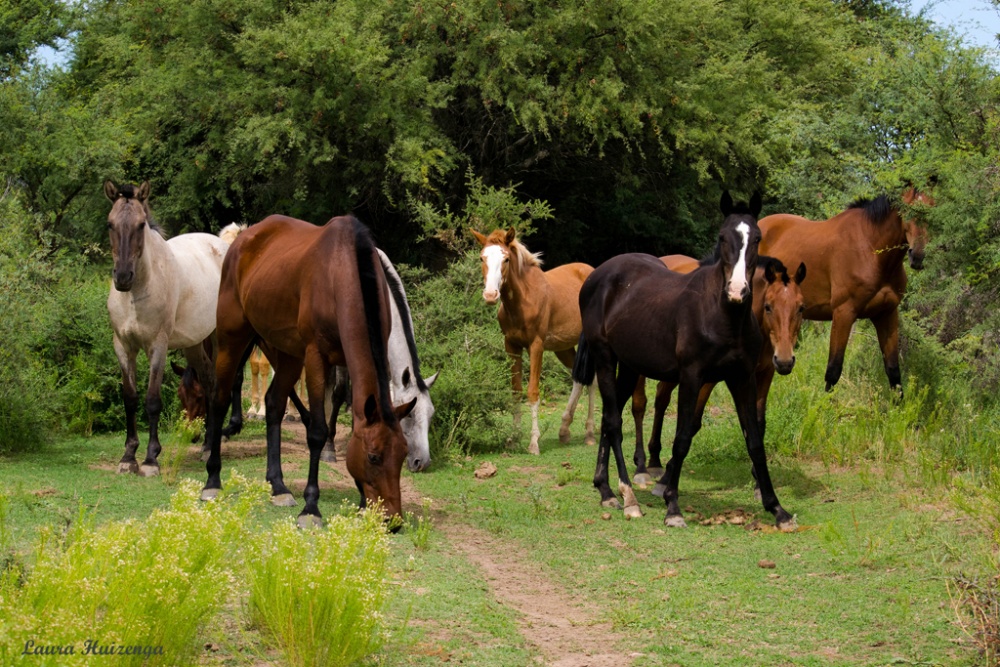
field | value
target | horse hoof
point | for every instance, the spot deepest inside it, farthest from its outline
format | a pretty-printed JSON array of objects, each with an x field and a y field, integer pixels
[
  {"x": 564, "y": 436},
  {"x": 328, "y": 455},
  {"x": 590, "y": 441},
  {"x": 307, "y": 521},
  {"x": 675, "y": 521},
  {"x": 283, "y": 500},
  {"x": 788, "y": 526},
  {"x": 654, "y": 471},
  {"x": 659, "y": 490},
  {"x": 146, "y": 470},
  {"x": 642, "y": 480},
  {"x": 209, "y": 494},
  {"x": 611, "y": 503},
  {"x": 130, "y": 467},
  {"x": 633, "y": 512}
]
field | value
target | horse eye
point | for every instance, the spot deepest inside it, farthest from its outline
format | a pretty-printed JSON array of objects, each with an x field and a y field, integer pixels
[
  {"x": 802, "y": 309},
  {"x": 767, "y": 308}
]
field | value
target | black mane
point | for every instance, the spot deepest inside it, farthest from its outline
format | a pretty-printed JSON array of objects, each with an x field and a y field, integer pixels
[
  {"x": 876, "y": 210},
  {"x": 399, "y": 296},
  {"x": 364, "y": 248}
]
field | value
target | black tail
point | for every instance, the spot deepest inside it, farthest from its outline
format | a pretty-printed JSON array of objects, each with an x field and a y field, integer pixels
[
  {"x": 365, "y": 250},
  {"x": 583, "y": 366}
]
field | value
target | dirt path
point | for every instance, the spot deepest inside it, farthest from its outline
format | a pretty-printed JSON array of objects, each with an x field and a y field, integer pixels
[{"x": 561, "y": 626}]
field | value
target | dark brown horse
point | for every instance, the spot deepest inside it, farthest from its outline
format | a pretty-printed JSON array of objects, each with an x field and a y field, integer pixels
[
  {"x": 856, "y": 270},
  {"x": 315, "y": 297},
  {"x": 640, "y": 318},
  {"x": 778, "y": 307}
]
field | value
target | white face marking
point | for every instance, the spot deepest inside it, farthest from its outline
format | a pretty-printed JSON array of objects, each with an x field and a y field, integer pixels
[
  {"x": 738, "y": 281},
  {"x": 494, "y": 256}
]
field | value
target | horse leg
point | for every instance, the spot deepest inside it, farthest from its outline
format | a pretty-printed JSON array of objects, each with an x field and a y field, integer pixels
[
  {"x": 286, "y": 372},
  {"x": 699, "y": 412},
  {"x": 316, "y": 372},
  {"x": 605, "y": 364},
  {"x": 660, "y": 405},
  {"x": 338, "y": 396},
  {"x": 535, "y": 375},
  {"x": 624, "y": 387},
  {"x": 840, "y": 332},
  {"x": 687, "y": 427},
  {"x": 642, "y": 477},
  {"x": 567, "y": 357},
  {"x": 236, "y": 398},
  {"x": 744, "y": 394},
  {"x": 516, "y": 385},
  {"x": 764, "y": 378},
  {"x": 887, "y": 329},
  {"x": 588, "y": 434},
  {"x": 154, "y": 404},
  {"x": 130, "y": 397}
]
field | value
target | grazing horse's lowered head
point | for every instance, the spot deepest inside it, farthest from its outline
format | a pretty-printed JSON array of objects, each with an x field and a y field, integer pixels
[
  {"x": 189, "y": 391},
  {"x": 916, "y": 234},
  {"x": 783, "y": 310},
  {"x": 127, "y": 224},
  {"x": 737, "y": 246}
]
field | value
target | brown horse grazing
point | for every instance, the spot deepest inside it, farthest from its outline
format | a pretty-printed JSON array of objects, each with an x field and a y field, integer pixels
[
  {"x": 316, "y": 297},
  {"x": 640, "y": 318},
  {"x": 778, "y": 307},
  {"x": 539, "y": 310},
  {"x": 856, "y": 270}
]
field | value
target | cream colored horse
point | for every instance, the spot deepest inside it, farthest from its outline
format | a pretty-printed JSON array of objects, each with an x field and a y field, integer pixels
[{"x": 163, "y": 297}]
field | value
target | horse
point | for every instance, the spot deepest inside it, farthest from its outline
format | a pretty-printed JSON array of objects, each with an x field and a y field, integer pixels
[
  {"x": 539, "y": 310},
  {"x": 315, "y": 297},
  {"x": 641, "y": 318},
  {"x": 260, "y": 375},
  {"x": 163, "y": 297},
  {"x": 777, "y": 306},
  {"x": 856, "y": 270}
]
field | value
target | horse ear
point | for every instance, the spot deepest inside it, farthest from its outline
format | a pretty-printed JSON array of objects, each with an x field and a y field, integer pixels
[
  {"x": 430, "y": 381},
  {"x": 401, "y": 411},
  {"x": 110, "y": 190},
  {"x": 511, "y": 235},
  {"x": 479, "y": 237},
  {"x": 800, "y": 273},
  {"x": 769, "y": 274},
  {"x": 371, "y": 409},
  {"x": 177, "y": 368},
  {"x": 756, "y": 203},
  {"x": 406, "y": 377},
  {"x": 726, "y": 204},
  {"x": 143, "y": 194}
]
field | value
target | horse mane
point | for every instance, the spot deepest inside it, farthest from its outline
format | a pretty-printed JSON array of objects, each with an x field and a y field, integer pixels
[
  {"x": 763, "y": 261},
  {"x": 399, "y": 297},
  {"x": 877, "y": 210},
  {"x": 525, "y": 257},
  {"x": 231, "y": 231},
  {"x": 364, "y": 248}
]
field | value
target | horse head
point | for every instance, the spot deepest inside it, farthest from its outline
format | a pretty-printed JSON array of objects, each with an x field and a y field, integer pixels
[
  {"x": 127, "y": 225},
  {"x": 495, "y": 257},
  {"x": 417, "y": 423},
  {"x": 375, "y": 455},
  {"x": 189, "y": 391},
  {"x": 916, "y": 234},
  {"x": 739, "y": 237},
  {"x": 783, "y": 309}
]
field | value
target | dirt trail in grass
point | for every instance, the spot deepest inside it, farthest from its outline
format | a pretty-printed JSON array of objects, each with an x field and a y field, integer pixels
[{"x": 562, "y": 626}]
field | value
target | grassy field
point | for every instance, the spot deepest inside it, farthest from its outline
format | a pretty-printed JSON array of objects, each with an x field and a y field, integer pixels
[{"x": 864, "y": 582}]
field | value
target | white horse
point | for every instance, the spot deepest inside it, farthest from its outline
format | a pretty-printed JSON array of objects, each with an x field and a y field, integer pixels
[
  {"x": 406, "y": 383},
  {"x": 163, "y": 297}
]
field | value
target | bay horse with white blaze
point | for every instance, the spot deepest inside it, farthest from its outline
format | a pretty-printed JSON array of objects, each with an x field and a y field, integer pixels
[
  {"x": 856, "y": 270},
  {"x": 317, "y": 298},
  {"x": 640, "y": 318},
  {"x": 539, "y": 310},
  {"x": 163, "y": 297}
]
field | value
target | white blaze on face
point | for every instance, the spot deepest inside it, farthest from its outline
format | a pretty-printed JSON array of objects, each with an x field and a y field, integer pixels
[
  {"x": 494, "y": 256},
  {"x": 738, "y": 281}
]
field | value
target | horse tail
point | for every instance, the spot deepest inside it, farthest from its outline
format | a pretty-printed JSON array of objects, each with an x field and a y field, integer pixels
[
  {"x": 398, "y": 294},
  {"x": 371, "y": 295},
  {"x": 583, "y": 365},
  {"x": 230, "y": 232}
]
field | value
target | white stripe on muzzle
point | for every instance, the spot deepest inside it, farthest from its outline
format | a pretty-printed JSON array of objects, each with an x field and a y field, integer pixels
[
  {"x": 738, "y": 281},
  {"x": 494, "y": 276}
]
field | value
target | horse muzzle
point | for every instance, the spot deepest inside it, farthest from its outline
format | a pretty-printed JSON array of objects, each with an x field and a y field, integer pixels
[
  {"x": 491, "y": 297},
  {"x": 738, "y": 297},
  {"x": 123, "y": 280},
  {"x": 784, "y": 366},
  {"x": 916, "y": 260}
]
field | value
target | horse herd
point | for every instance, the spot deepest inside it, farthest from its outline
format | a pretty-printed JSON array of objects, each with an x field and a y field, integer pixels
[{"x": 323, "y": 303}]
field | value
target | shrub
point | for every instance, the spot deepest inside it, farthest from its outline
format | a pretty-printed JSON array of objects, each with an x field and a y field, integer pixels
[{"x": 318, "y": 595}]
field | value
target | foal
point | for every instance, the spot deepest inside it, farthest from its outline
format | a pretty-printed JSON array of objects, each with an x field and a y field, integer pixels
[
  {"x": 539, "y": 310},
  {"x": 640, "y": 318}
]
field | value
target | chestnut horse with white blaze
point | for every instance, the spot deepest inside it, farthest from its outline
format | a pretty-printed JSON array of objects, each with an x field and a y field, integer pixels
[
  {"x": 163, "y": 297},
  {"x": 316, "y": 297},
  {"x": 539, "y": 310},
  {"x": 856, "y": 269}
]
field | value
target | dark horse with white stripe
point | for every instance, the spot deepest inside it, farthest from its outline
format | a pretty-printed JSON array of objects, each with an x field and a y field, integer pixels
[
  {"x": 317, "y": 298},
  {"x": 641, "y": 318}
]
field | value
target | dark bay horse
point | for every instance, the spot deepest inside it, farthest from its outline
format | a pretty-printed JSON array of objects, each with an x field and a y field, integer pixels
[
  {"x": 856, "y": 270},
  {"x": 777, "y": 306},
  {"x": 317, "y": 298},
  {"x": 640, "y": 318},
  {"x": 539, "y": 310},
  {"x": 163, "y": 297}
]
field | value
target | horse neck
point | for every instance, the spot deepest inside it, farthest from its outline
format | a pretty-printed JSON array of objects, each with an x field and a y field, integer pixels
[
  {"x": 516, "y": 289},
  {"x": 153, "y": 263},
  {"x": 888, "y": 239}
]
